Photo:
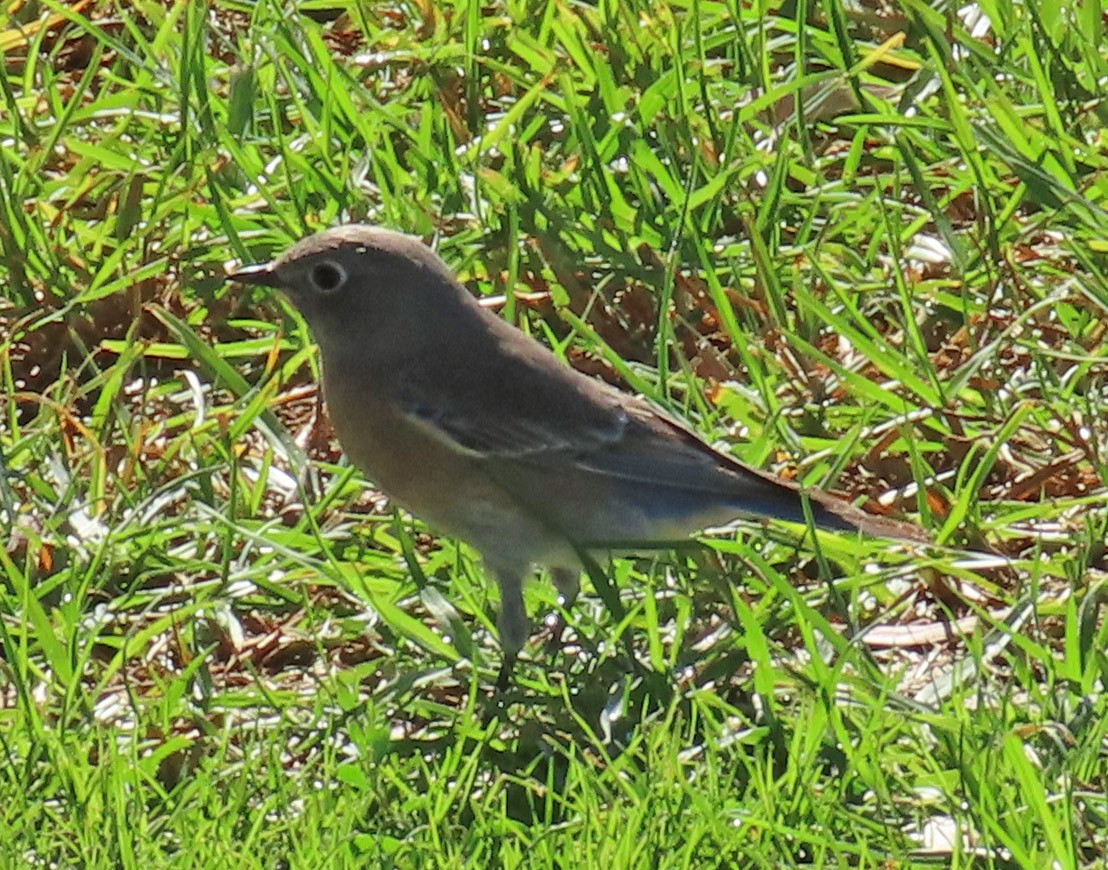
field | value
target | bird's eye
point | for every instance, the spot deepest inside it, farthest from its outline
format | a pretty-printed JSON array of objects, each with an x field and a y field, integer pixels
[{"x": 328, "y": 276}]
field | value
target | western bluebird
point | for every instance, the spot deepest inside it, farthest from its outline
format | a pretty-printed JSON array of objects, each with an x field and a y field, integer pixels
[{"x": 479, "y": 429}]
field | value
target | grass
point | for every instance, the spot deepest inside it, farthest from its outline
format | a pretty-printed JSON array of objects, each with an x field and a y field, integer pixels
[{"x": 864, "y": 247}]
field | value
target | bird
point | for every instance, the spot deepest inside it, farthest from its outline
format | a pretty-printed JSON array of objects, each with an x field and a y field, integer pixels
[{"x": 479, "y": 429}]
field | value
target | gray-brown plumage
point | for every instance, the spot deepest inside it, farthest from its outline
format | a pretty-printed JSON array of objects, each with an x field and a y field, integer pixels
[{"x": 481, "y": 431}]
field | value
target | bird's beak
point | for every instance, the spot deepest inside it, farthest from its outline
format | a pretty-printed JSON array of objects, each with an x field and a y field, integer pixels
[{"x": 262, "y": 275}]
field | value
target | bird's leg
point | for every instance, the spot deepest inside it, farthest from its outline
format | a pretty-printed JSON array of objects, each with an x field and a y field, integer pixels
[
  {"x": 512, "y": 622},
  {"x": 568, "y": 583},
  {"x": 504, "y": 675}
]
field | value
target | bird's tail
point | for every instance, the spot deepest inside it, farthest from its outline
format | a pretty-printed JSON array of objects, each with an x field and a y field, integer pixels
[{"x": 834, "y": 513}]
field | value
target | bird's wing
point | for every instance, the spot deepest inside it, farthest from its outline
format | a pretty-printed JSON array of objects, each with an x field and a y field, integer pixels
[
  {"x": 490, "y": 427},
  {"x": 576, "y": 424},
  {"x": 562, "y": 429}
]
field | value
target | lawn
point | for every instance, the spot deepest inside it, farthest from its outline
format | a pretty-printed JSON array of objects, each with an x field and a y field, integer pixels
[{"x": 864, "y": 246}]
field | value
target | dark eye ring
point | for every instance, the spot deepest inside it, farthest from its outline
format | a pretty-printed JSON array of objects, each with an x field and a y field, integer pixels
[{"x": 328, "y": 276}]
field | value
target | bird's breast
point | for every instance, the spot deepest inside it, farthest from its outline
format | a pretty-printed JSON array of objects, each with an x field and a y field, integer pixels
[{"x": 446, "y": 487}]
